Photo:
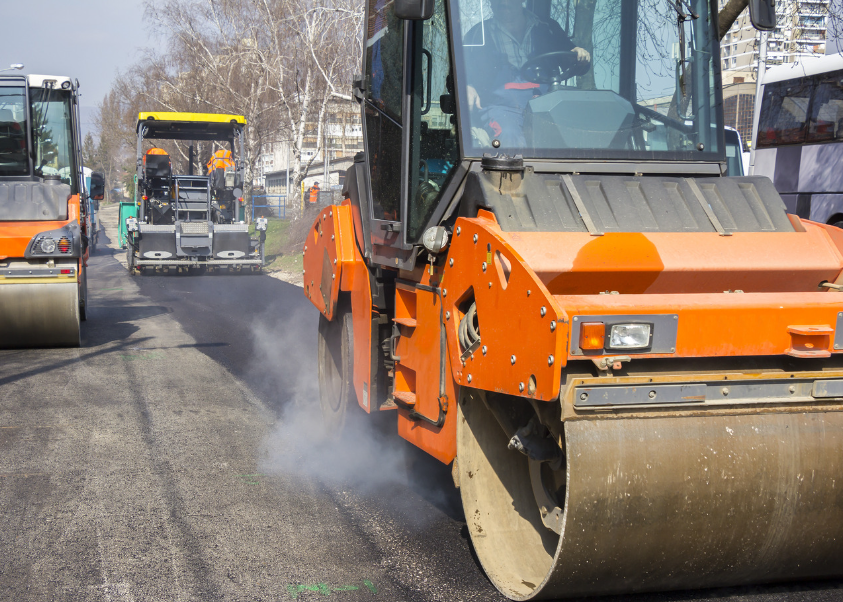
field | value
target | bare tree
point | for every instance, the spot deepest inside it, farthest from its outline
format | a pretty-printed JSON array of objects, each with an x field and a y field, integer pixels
[
  {"x": 277, "y": 62},
  {"x": 114, "y": 124}
]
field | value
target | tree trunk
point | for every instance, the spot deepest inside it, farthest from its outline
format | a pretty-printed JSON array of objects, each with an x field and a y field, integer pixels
[{"x": 729, "y": 14}]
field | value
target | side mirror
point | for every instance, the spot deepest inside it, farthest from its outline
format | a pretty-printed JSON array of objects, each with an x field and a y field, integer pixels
[
  {"x": 414, "y": 10},
  {"x": 97, "y": 186},
  {"x": 762, "y": 13}
]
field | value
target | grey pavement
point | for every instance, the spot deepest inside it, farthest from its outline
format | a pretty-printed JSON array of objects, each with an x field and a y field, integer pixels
[{"x": 177, "y": 456}]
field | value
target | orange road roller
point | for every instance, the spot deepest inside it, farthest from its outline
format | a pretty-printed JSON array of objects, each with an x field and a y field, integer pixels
[
  {"x": 43, "y": 222},
  {"x": 632, "y": 362}
]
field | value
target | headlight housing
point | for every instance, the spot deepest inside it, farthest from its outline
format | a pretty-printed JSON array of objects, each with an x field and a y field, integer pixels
[
  {"x": 62, "y": 242},
  {"x": 629, "y": 336}
]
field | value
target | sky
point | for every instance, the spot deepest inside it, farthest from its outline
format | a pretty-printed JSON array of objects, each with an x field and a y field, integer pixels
[{"x": 90, "y": 40}]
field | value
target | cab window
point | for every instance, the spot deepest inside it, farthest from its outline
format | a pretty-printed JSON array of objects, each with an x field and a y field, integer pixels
[
  {"x": 382, "y": 111},
  {"x": 434, "y": 150}
]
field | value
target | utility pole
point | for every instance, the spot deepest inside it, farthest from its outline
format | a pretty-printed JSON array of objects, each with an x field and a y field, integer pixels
[{"x": 756, "y": 113}]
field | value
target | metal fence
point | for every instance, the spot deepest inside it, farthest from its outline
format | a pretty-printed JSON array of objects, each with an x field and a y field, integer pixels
[
  {"x": 283, "y": 207},
  {"x": 326, "y": 197},
  {"x": 277, "y": 209}
]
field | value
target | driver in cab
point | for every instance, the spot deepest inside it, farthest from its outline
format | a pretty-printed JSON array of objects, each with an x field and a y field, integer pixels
[{"x": 496, "y": 50}]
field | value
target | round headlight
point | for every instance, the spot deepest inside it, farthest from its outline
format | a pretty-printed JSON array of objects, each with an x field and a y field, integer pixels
[
  {"x": 435, "y": 239},
  {"x": 48, "y": 245}
]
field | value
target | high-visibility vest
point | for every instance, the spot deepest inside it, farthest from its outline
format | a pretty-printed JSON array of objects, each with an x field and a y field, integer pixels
[{"x": 220, "y": 159}]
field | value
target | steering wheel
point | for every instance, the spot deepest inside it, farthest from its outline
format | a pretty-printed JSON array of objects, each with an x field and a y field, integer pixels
[{"x": 553, "y": 67}]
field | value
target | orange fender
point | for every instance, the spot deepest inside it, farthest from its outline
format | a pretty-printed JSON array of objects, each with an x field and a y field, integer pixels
[
  {"x": 518, "y": 317},
  {"x": 333, "y": 264}
]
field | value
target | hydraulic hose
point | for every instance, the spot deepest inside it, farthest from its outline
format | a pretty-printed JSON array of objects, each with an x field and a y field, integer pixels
[{"x": 469, "y": 329}]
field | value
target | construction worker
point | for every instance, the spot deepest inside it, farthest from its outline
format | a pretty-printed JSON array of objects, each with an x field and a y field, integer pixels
[
  {"x": 498, "y": 48},
  {"x": 217, "y": 165},
  {"x": 314, "y": 192},
  {"x": 161, "y": 168},
  {"x": 157, "y": 151},
  {"x": 220, "y": 159}
]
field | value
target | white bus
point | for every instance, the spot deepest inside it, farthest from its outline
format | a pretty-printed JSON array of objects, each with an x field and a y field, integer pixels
[{"x": 799, "y": 141}]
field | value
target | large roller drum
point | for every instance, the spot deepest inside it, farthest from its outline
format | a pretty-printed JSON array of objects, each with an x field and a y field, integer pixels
[
  {"x": 42, "y": 314},
  {"x": 658, "y": 503}
]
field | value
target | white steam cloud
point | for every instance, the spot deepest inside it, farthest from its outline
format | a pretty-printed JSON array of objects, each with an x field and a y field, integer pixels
[{"x": 363, "y": 455}]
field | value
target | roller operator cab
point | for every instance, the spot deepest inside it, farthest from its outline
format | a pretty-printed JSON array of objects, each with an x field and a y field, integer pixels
[
  {"x": 630, "y": 360},
  {"x": 44, "y": 220},
  {"x": 189, "y": 220}
]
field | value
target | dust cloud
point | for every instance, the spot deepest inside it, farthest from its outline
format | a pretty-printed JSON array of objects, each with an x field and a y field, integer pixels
[{"x": 368, "y": 454}]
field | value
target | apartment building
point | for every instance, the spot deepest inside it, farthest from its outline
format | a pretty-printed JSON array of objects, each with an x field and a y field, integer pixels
[
  {"x": 800, "y": 32},
  {"x": 343, "y": 139}
]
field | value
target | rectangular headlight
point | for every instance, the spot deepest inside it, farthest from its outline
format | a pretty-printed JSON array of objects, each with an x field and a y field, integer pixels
[{"x": 629, "y": 336}]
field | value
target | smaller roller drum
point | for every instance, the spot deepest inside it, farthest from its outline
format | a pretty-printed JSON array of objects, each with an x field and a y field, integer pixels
[{"x": 39, "y": 306}]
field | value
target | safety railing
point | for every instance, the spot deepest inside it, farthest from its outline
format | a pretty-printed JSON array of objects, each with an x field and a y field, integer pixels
[{"x": 279, "y": 207}]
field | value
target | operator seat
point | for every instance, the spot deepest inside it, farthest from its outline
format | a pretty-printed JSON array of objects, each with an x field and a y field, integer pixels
[{"x": 158, "y": 173}]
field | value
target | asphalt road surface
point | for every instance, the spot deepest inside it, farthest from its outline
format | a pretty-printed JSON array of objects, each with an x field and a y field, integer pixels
[{"x": 177, "y": 457}]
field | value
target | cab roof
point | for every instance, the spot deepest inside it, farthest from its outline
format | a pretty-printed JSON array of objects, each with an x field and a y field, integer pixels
[
  {"x": 59, "y": 82},
  {"x": 189, "y": 126}
]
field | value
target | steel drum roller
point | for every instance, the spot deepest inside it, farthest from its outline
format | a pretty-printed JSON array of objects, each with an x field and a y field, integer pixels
[
  {"x": 660, "y": 503},
  {"x": 39, "y": 314}
]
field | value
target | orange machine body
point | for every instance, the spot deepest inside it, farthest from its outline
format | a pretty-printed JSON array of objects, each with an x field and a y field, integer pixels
[
  {"x": 748, "y": 294},
  {"x": 333, "y": 264},
  {"x": 16, "y": 236}
]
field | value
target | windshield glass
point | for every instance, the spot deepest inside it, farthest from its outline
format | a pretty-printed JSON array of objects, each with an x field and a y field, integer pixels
[
  {"x": 13, "y": 131},
  {"x": 52, "y": 134},
  {"x": 626, "y": 79}
]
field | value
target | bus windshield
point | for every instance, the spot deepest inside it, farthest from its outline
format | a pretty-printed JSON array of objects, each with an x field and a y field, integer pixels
[{"x": 623, "y": 79}]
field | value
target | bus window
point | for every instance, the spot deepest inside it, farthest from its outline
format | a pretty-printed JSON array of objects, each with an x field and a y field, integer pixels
[
  {"x": 827, "y": 112},
  {"x": 784, "y": 111}
]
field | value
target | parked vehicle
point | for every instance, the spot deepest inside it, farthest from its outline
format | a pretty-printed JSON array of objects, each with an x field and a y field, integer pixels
[
  {"x": 799, "y": 142},
  {"x": 94, "y": 193}
]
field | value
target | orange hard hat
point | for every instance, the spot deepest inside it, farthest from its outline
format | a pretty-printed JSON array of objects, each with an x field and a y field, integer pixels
[{"x": 157, "y": 151}]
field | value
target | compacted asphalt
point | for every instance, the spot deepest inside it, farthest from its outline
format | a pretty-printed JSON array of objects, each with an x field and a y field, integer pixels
[{"x": 177, "y": 456}]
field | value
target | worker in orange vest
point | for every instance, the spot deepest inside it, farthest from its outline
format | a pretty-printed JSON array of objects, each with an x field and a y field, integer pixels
[
  {"x": 220, "y": 159},
  {"x": 314, "y": 192}
]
